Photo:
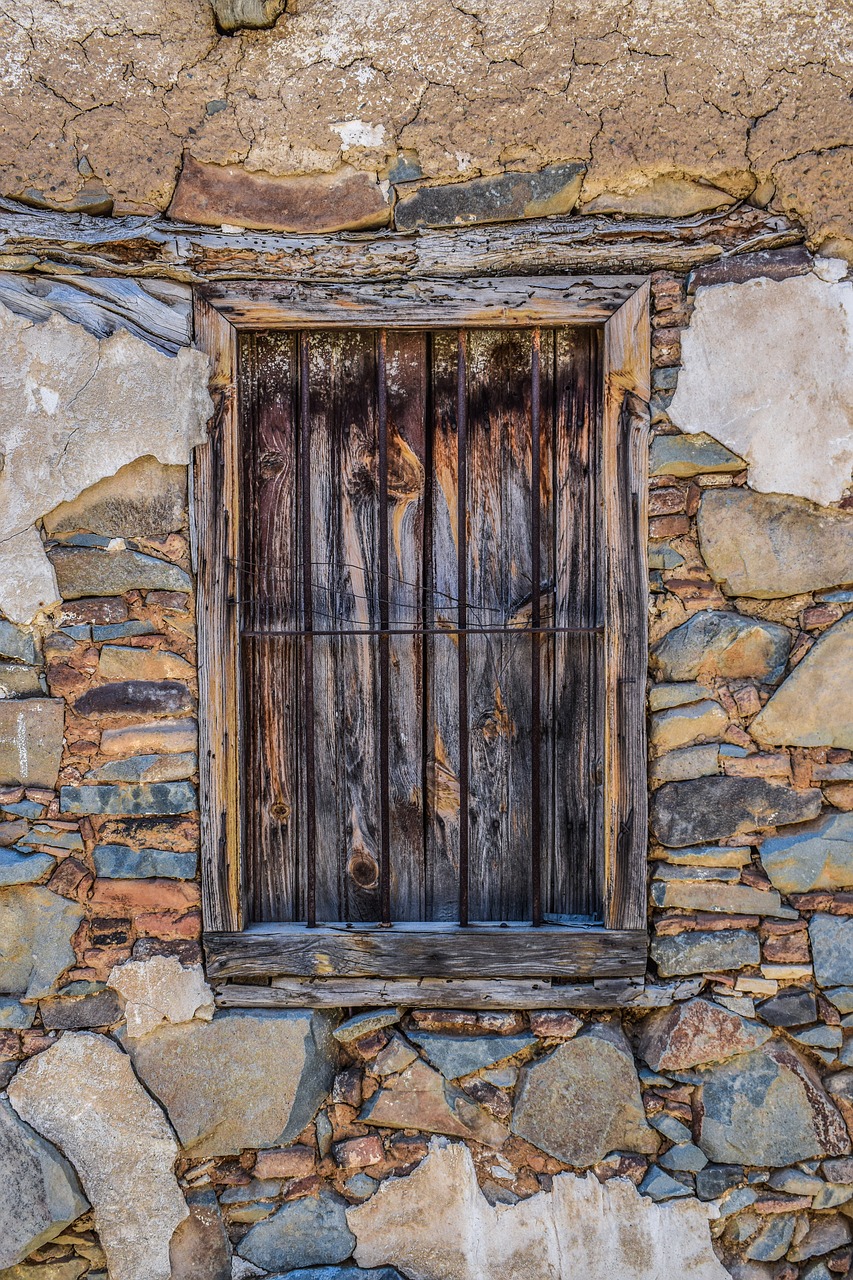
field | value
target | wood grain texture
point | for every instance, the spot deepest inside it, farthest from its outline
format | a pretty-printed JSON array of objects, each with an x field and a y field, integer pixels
[
  {"x": 216, "y": 517},
  {"x": 426, "y": 951},
  {"x": 158, "y": 247},
  {"x": 435, "y": 993},
  {"x": 625, "y": 487}
]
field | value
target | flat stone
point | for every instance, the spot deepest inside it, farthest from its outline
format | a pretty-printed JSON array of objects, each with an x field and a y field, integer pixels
[
  {"x": 24, "y": 868},
  {"x": 682, "y": 726},
  {"x": 714, "y": 643},
  {"x": 396, "y": 1056},
  {"x": 345, "y": 1272},
  {"x": 122, "y": 662},
  {"x": 178, "y": 737},
  {"x": 149, "y": 768},
  {"x": 742, "y": 354},
  {"x": 435, "y": 1224},
  {"x": 31, "y": 741},
  {"x": 420, "y": 1098},
  {"x": 72, "y": 1269},
  {"x": 136, "y": 697},
  {"x": 42, "y": 1195},
  {"x": 82, "y": 1095},
  {"x": 658, "y": 1185},
  {"x": 767, "y": 1107},
  {"x": 686, "y": 1158},
  {"x": 161, "y": 990},
  {"x": 694, "y": 1032},
  {"x": 774, "y": 264},
  {"x": 506, "y": 197},
  {"x": 236, "y": 15},
  {"x": 364, "y": 1024},
  {"x": 824, "y": 1234},
  {"x": 36, "y": 928},
  {"x": 839, "y": 1171},
  {"x": 583, "y": 1100},
  {"x": 663, "y": 197},
  {"x": 17, "y": 643},
  {"x": 816, "y": 855},
  {"x": 692, "y": 456},
  {"x": 706, "y": 855},
  {"x": 457, "y": 1056},
  {"x": 792, "y": 1007},
  {"x": 841, "y": 997},
  {"x": 303, "y": 1233},
  {"x": 710, "y": 895},
  {"x": 212, "y": 194},
  {"x": 242, "y": 1080},
  {"x": 144, "y": 499},
  {"x": 123, "y": 630},
  {"x": 43, "y": 834},
  {"x": 120, "y": 862},
  {"x": 768, "y": 545},
  {"x": 831, "y": 940},
  {"x": 715, "y": 1179},
  {"x": 16, "y": 1016},
  {"x": 705, "y": 952},
  {"x": 773, "y": 1240},
  {"x": 19, "y": 682},
  {"x": 143, "y": 799},
  {"x": 703, "y": 809},
  {"x": 685, "y": 763},
  {"x": 80, "y": 1013},
  {"x": 814, "y": 706},
  {"x": 679, "y": 694},
  {"x": 796, "y": 1182},
  {"x": 89, "y": 571},
  {"x": 200, "y": 1249}
]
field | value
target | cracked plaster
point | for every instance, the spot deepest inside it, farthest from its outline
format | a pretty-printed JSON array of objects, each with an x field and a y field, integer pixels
[
  {"x": 74, "y": 409},
  {"x": 724, "y": 94}
]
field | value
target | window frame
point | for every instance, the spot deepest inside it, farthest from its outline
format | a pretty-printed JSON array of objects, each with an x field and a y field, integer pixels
[{"x": 332, "y": 964}]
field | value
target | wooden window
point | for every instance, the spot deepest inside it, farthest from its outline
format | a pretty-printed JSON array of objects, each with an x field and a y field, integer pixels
[{"x": 421, "y": 546}]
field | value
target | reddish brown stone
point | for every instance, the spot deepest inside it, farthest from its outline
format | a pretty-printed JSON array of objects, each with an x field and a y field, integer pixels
[
  {"x": 666, "y": 502},
  {"x": 10, "y": 1045},
  {"x": 214, "y": 194},
  {"x": 368, "y": 1046},
  {"x": 344, "y": 1122},
  {"x": 169, "y": 924},
  {"x": 407, "y": 1150},
  {"x": 696, "y": 1032},
  {"x": 72, "y": 879},
  {"x": 285, "y": 1162},
  {"x": 837, "y": 904},
  {"x": 135, "y": 896},
  {"x": 100, "y": 610},
  {"x": 820, "y": 615},
  {"x": 359, "y": 1153},
  {"x": 668, "y": 526},
  {"x": 558, "y": 1024},
  {"x": 348, "y": 1087},
  {"x": 455, "y": 1021},
  {"x": 490, "y": 1097},
  {"x": 175, "y": 601},
  {"x": 788, "y": 946},
  {"x": 666, "y": 348},
  {"x": 500, "y": 1023},
  {"x": 840, "y": 795},
  {"x": 35, "y": 1041}
]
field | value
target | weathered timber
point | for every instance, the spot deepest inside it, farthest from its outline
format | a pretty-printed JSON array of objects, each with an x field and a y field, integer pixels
[
  {"x": 56, "y": 242},
  {"x": 455, "y": 993},
  {"x": 426, "y": 951}
]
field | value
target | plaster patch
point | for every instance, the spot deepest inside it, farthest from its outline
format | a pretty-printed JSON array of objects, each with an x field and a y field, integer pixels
[
  {"x": 436, "y": 1224},
  {"x": 74, "y": 409},
  {"x": 355, "y": 133},
  {"x": 161, "y": 989},
  {"x": 768, "y": 371}
]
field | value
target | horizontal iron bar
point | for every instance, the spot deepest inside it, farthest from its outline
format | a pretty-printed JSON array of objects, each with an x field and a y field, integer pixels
[{"x": 433, "y": 631}]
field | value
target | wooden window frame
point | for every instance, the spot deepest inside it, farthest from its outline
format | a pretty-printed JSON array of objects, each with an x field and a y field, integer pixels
[{"x": 351, "y": 964}]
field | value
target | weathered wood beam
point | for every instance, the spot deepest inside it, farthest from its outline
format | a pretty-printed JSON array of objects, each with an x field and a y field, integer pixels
[{"x": 62, "y": 243}]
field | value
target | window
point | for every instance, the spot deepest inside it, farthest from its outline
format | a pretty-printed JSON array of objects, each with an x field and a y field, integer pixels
[{"x": 421, "y": 540}]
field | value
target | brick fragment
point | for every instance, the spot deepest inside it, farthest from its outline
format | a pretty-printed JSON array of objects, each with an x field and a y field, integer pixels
[
  {"x": 285, "y": 1162},
  {"x": 359, "y": 1153}
]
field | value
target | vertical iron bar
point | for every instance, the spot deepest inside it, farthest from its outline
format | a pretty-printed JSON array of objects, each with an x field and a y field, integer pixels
[
  {"x": 427, "y": 619},
  {"x": 308, "y": 623},
  {"x": 462, "y": 614},
  {"x": 535, "y": 639},
  {"x": 384, "y": 663}
]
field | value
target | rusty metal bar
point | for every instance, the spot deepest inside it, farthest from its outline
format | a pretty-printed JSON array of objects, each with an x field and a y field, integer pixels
[
  {"x": 535, "y": 639},
  {"x": 308, "y": 623},
  {"x": 438, "y": 631},
  {"x": 462, "y": 613},
  {"x": 384, "y": 657}
]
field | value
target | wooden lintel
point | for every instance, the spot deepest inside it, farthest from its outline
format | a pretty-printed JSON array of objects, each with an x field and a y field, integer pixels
[
  {"x": 426, "y": 951},
  {"x": 156, "y": 247},
  {"x": 496, "y": 993}
]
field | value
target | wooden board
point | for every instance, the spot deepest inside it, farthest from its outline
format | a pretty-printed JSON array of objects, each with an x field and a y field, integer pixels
[
  {"x": 442, "y": 993},
  {"x": 426, "y": 951}
]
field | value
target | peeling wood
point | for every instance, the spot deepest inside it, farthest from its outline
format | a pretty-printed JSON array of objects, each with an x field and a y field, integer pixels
[{"x": 62, "y": 243}]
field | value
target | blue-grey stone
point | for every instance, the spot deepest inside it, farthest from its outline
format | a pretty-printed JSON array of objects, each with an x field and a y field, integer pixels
[
  {"x": 303, "y": 1233},
  {"x": 832, "y": 950},
  {"x": 89, "y": 571},
  {"x": 828, "y": 1232},
  {"x": 686, "y": 1158},
  {"x": 705, "y": 952},
  {"x": 360, "y": 1186},
  {"x": 738, "y": 1199},
  {"x": 36, "y": 928},
  {"x": 120, "y": 862},
  {"x": 364, "y": 1024},
  {"x": 15, "y": 1016},
  {"x": 25, "y": 809},
  {"x": 80, "y": 1013},
  {"x": 767, "y": 1108},
  {"x": 691, "y": 456},
  {"x": 842, "y": 998},
  {"x": 796, "y": 1182},
  {"x": 714, "y": 1179},
  {"x": 136, "y": 697},
  {"x": 792, "y": 1007},
  {"x": 658, "y": 1185},
  {"x": 83, "y": 540},
  {"x": 17, "y": 643},
  {"x": 814, "y": 855},
  {"x": 706, "y": 809},
  {"x": 24, "y": 868},
  {"x": 80, "y": 631},
  {"x": 820, "y": 1037},
  {"x": 671, "y": 1128},
  {"x": 663, "y": 556},
  {"x": 170, "y": 767},
  {"x": 257, "y": 1189},
  {"x": 41, "y": 834},
  {"x": 717, "y": 643},
  {"x": 142, "y": 799},
  {"x": 457, "y": 1056},
  {"x": 773, "y": 1240},
  {"x": 504, "y": 197},
  {"x": 119, "y": 630},
  {"x": 346, "y": 1272},
  {"x": 842, "y": 596}
]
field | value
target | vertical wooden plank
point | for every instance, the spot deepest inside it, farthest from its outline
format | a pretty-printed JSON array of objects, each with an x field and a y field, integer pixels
[
  {"x": 344, "y": 512},
  {"x": 575, "y": 871},
  {"x": 499, "y": 592},
  {"x": 624, "y": 474},
  {"x": 268, "y": 386},
  {"x": 441, "y": 694},
  {"x": 217, "y": 524},
  {"x": 406, "y": 386}
]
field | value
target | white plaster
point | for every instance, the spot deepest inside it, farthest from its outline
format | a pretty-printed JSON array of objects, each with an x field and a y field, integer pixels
[
  {"x": 768, "y": 371},
  {"x": 160, "y": 990},
  {"x": 435, "y": 1224},
  {"x": 355, "y": 133},
  {"x": 74, "y": 409}
]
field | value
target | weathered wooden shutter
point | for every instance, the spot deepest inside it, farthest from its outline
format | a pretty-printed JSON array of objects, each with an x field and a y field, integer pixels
[{"x": 421, "y": 619}]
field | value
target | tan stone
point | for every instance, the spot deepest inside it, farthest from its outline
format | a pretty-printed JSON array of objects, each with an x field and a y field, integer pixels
[
  {"x": 682, "y": 726},
  {"x": 814, "y": 706},
  {"x": 664, "y": 197},
  {"x": 165, "y": 736},
  {"x": 420, "y": 1098},
  {"x": 121, "y": 662},
  {"x": 82, "y": 1095},
  {"x": 341, "y": 201},
  {"x": 161, "y": 990},
  {"x": 694, "y": 1032},
  {"x": 31, "y": 741},
  {"x": 435, "y": 1224},
  {"x": 143, "y": 499}
]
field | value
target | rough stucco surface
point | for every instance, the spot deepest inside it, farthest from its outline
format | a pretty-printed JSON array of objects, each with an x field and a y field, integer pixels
[
  {"x": 100, "y": 101},
  {"x": 74, "y": 409},
  {"x": 768, "y": 370}
]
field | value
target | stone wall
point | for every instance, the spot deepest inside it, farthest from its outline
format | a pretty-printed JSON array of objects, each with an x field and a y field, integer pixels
[{"x": 705, "y": 1130}]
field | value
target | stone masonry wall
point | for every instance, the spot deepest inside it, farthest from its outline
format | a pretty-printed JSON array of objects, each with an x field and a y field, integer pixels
[{"x": 702, "y": 1130}]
